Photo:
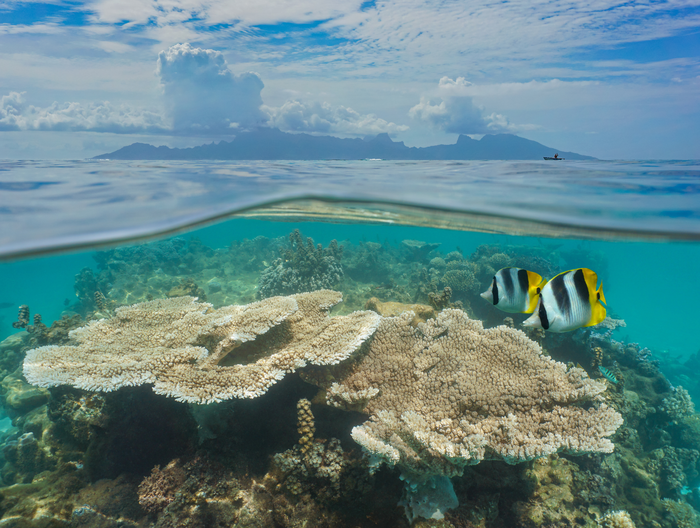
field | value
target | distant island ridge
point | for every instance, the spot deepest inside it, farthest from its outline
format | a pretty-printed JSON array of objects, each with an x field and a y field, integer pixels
[{"x": 273, "y": 144}]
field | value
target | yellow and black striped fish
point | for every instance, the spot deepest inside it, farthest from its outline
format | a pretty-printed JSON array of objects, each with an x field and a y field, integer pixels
[
  {"x": 569, "y": 301},
  {"x": 514, "y": 290}
]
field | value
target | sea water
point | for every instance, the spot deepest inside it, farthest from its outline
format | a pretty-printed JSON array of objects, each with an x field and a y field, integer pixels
[{"x": 135, "y": 231}]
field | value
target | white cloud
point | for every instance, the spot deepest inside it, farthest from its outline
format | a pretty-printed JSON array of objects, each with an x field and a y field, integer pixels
[
  {"x": 245, "y": 13},
  {"x": 111, "y": 46},
  {"x": 456, "y": 112},
  {"x": 15, "y": 114},
  {"x": 322, "y": 118},
  {"x": 202, "y": 95},
  {"x": 499, "y": 37}
]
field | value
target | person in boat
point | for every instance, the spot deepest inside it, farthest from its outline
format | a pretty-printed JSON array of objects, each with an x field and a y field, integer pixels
[{"x": 556, "y": 156}]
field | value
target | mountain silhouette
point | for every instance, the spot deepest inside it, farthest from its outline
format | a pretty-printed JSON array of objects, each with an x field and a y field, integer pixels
[{"x": 273, "y": 144}]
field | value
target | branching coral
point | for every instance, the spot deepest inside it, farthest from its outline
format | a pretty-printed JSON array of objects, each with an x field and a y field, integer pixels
[
  {"x": 195, "y": 354},
  {"x": 678, "y": 405},
  {"x": 450, "y": 393},
  {"x": 304, "y": 266}
]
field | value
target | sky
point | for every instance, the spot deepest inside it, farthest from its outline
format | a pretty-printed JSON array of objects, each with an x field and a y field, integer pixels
[{"x": 608, "y": 78}]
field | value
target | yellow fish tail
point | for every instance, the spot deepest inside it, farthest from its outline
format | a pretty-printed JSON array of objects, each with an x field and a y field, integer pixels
[{"x": 536, "y": 283}]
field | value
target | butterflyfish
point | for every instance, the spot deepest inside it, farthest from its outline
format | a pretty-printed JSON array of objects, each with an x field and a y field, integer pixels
[
  {"x": 514, "y": 290},
  {"x": 569, "y": 301}
]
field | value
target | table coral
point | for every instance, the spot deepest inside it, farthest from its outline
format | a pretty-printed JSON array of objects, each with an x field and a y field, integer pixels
[
  {"x": 195, "y": 354},
  {"x": 451, "y": 393}
]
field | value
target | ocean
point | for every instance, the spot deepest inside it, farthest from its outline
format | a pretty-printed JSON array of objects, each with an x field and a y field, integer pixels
[{"x": 339, "y": 366}]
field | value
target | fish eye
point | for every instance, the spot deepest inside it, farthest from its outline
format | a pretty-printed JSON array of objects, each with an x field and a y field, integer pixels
[
  {"x": 538, "y": 291},
  {"x": 598, "y": 294}
]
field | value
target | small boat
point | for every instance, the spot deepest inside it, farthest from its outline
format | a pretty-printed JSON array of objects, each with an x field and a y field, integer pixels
[{"x": 556, "y": 159}]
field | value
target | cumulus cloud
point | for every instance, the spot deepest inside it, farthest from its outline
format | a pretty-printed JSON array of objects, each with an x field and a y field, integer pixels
[
  {"x": 203, "y": 96},
  {"x": 296, "y": 116},
  {"x": 456, "y": 112},
  {"x": 15, "y": 114}
]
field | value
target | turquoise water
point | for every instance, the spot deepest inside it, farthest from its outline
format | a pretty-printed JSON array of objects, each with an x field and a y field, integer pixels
[
  {"x": 641, "y": 283},
  {"x": 81, "y": 239}
]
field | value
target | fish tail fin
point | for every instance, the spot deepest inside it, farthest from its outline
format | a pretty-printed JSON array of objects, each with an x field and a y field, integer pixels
[
  {"x": 536, "y": 283},
  {"x": 598, "y": 311}
]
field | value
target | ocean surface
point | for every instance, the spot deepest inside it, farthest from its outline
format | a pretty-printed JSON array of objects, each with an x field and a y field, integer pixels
[{"x": 81, "y": 238}]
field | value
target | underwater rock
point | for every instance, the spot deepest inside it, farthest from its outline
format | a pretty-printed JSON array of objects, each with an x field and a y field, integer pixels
[
  {"x": 391, "y": 309},
  {"x": 198, "y": 355},
  {"x": 22, "y": 397},
  {"x": 11, "y": 352},
  {"x": 553, "y": 502},
  {"x": 188, "y": 288},
  {"x": 158, "y": 490}
]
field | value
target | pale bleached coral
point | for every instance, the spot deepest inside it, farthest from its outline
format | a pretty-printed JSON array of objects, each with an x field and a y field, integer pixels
[
  {"x": 450, "y": 393},
  {"x": 616, "y": 519},
  {"x": 195, "y": 354}
]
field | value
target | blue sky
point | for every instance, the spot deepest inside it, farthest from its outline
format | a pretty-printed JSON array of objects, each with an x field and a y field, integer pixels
[{"x": 607, "y": 78}]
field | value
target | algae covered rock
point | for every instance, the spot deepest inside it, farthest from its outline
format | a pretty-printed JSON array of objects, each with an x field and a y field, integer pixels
[{"x": 20, "y": 396}]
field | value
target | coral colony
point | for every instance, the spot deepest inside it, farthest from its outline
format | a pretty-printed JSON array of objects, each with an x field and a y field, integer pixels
[{"x": 191, "y": 386}]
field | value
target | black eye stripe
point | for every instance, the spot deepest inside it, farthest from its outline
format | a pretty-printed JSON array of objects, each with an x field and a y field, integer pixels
[{"x": 494, "y": 290}]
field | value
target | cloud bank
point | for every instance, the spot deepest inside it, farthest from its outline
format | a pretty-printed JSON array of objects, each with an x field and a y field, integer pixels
[
  {"x": 15, "y": 115},
  {"x": 322, "y": 118},
  {"x": 456, "y": 112},
  {"x": 203, "y": 96}
]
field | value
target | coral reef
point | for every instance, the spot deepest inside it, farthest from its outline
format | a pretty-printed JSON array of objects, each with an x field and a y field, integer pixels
[
  {"x": 449, "y": 394},
  {"x": 479, "y": 400},
  {"x": 616, "y": 519},
  {"x": 303, "y": 267},
  {"x": 181, "y": 347}
]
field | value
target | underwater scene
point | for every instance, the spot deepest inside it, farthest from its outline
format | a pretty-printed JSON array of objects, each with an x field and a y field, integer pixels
[{"x": 345, "y": 362}]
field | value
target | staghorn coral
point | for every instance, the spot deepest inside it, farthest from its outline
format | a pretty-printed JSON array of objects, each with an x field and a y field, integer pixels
[
  {"x": 451, "y": 393},
  {"x": 198, "y": 355}
]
